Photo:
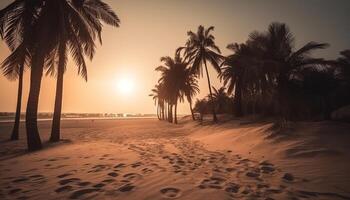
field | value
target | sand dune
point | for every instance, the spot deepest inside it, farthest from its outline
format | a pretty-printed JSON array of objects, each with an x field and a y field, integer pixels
[{"x": 148, "y": 159}]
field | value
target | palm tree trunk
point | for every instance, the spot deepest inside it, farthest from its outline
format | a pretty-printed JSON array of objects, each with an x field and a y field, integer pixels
[
  {"x": 33, "y": 137},
  {"x": 166, "y": 111},
  {"x": 192, "y": 111},
  {"x": 162, "y": 110},
  {"x": 175, "y": 113},
  {"x": 238, "y": 99},
  {"x": 171, "y": 113},
  {"x": 158, "y": 111},
  {"x": 15, "y": 131},
  {"x": 56, "y": 122},
  {"x": 215, "y": 119}
]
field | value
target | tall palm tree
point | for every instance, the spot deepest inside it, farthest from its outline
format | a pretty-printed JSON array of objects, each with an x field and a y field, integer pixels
[
  {"x": 235, "y": 72},
  {"x": 81, "y": 17},
  {"x": 16, "y": 22},
  {"x": 199, "y": 49}
]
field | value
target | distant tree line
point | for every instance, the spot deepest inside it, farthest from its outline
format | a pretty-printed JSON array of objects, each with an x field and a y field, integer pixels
[{"x": 265, "y": 75}]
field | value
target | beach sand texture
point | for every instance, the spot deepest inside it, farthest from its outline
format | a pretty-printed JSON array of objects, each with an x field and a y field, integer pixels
[{"x": 148, "y": 159}]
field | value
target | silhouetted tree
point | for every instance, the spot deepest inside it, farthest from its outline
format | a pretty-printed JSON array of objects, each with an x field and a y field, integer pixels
[
  {"x": 199, "y": 49},
  {"x": 79, "y": 23},
  {"x": 19, "y": 24},
  {"x": 201, "y": 106},
  {"x": 15, "y": 29},
  {"x": 221, "y": 99}
]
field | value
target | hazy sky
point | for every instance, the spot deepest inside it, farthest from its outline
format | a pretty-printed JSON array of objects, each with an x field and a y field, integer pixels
[{"x": 154, "y": 28}]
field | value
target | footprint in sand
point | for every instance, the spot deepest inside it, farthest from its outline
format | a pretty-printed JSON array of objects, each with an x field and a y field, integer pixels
[
  {"x": 99, "y": 185},
  {"x": 252, "y": 174},
  {"x": 98, "y": 168},
  {"x": 232, "y": 188},
  {"x": 126, "y": 188},
  {"x": 120, "y": 166},
  {"x": 64, "y": 175},
  {"x": 113, "y": 174},
  {"x": 65, "y": 188},
  {"x": 213, "y": 182},
  {"x": 83, "y": 184},
  {"x": 77, "y": 194},
  {"x": 170, "y": 192},
  {"x": 69, "y": 180},
  {"x": 147, "y": 170},
  {"x": 137, "y": 164},
  {"x": 132, "y": 176}
]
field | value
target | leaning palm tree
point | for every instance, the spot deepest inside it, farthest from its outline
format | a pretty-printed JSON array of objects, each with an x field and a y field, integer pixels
[
  {"x": 190, "y": 88},
  {"x": 79, "y": 22},
  {"x": 199, "y": 49},
  {"x": 15, "y": 28}
]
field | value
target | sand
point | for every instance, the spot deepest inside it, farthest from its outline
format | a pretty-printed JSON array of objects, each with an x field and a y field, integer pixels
[{"x": 149, "y": 159}]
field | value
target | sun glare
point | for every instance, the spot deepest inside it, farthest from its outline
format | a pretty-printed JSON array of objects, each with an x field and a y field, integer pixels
[{"x": 125, "y": 85}]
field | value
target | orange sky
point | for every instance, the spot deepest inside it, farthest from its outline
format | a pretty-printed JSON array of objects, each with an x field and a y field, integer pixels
[{"x": 154, "y": 28}]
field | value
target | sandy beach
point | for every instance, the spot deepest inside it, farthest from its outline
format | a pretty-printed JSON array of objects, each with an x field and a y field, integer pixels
[{"x": 149, "y": 159}]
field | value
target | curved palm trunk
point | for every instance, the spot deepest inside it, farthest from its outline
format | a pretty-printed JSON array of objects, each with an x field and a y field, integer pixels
[
  {"x": 15, "y": 131},
  {"x": 166, "y": 111},
  {"x": 56, "y": 122},
  {"x": 192, "y": 111},
  {"x": 215, "y": 119},
  {"x": 175, "y": 113},
  {"x": 33, "y": 137}
]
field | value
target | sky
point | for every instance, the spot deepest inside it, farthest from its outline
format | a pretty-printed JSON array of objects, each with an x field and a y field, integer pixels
[{"x": 155, "y": 28}]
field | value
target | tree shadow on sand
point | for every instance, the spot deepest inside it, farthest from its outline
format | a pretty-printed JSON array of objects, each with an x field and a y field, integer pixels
[{"x": 16, "y": 149}]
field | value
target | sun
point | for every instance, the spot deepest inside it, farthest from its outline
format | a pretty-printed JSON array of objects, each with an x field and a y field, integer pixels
[{"x": 125, "y": 85}]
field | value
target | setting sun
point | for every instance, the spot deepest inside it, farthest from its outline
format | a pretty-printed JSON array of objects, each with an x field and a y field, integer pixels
[{"x": 125, "y": 85}]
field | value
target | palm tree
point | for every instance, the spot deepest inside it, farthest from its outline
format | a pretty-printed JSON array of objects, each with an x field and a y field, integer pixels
[
  {"x": 220, "y": 98},
  {"x": 21, "y": 21},
  {"x": 15, "y": 27},
  {"x": 190, "y": 88},
  {"x": 234, "y": 72},
  {"x": 178, "y": 81},
  {"x": 156, "y": 96},
  {"x": 170, "y": 80},
  {"x": 78, "y": 25},
  {"x": 201, "y": 107},
  {"x": 278, "y": 51},
  {"x": 199, "y": 49}
]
